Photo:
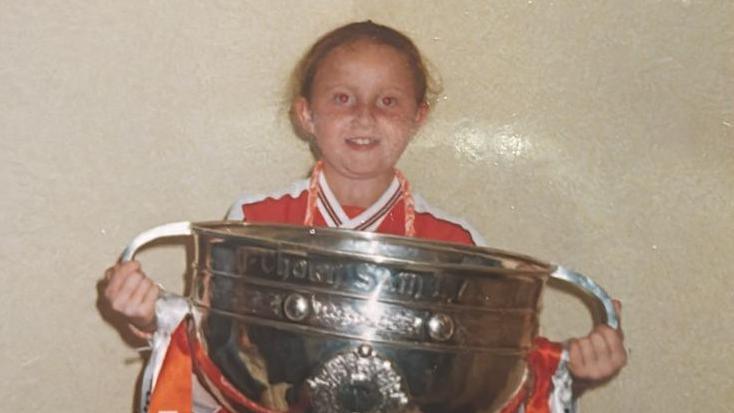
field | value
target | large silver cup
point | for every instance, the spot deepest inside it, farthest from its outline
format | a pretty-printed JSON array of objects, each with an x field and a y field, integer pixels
[{"x": 333, "y": 321}]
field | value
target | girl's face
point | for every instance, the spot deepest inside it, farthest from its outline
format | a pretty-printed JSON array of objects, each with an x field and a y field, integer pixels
[{"x": 363, "y": 110}]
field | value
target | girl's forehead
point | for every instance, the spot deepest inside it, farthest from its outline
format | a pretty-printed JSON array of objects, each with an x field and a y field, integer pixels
[
  {"x": 365, "y": 47},
  {"x": 364, "y": 55}
]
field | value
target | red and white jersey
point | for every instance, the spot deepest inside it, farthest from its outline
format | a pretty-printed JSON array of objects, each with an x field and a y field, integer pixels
[{"x": 386, "y": 215}]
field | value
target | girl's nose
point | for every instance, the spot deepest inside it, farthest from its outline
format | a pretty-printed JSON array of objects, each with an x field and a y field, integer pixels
[{"x": 364, "y": 115}]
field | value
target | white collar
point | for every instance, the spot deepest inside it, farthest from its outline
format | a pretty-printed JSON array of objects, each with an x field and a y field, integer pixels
[{"x": 369, "y": 220}]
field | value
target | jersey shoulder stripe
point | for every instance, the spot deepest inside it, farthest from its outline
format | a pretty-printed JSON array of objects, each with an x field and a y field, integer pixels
[
  {"x": 422, "y": 206},
  {"x": 236, "y": 212}
]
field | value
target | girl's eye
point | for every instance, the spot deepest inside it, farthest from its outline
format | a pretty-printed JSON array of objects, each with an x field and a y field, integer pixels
[
  {"x": 389, "y": 101},
  {"x": 341, "y": 98}
]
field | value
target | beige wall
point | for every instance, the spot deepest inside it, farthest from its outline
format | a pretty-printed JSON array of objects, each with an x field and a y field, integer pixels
[{"x": 596, "y": 134}]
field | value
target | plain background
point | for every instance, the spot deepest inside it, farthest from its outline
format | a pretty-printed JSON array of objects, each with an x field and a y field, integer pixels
[{"x": 595, "y": 134}]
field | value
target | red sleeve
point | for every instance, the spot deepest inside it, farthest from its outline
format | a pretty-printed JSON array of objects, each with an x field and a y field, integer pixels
[
  {"x": 284, "y": 210},
  {"x": 429, "y": 227}
]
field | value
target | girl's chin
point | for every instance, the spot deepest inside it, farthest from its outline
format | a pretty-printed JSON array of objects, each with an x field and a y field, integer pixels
[{"x": 354, "y": 171}]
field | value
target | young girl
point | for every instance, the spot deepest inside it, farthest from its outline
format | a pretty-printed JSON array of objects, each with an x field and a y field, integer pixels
[{"x": 361, "y": 96}]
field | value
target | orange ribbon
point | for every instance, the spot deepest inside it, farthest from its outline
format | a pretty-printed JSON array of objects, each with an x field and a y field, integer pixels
[
  {"x": 173, "y": 388},
  {"x": 543, "y": 362}
]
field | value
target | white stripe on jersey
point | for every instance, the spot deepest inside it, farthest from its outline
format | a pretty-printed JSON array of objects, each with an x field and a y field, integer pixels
[{"x": 368, "y": 220}]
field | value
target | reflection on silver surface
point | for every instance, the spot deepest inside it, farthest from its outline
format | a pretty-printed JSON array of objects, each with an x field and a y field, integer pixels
[
  {"x": 440, "y": 327},
  {"x": 296, "y": 307},
  {"x": 588, "y": 285}
]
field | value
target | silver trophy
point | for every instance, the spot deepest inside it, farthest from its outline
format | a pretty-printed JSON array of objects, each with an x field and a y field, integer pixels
[{"x": 318, "y": 320}]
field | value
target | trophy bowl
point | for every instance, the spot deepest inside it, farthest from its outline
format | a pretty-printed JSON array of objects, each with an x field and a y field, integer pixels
[{"x": 317, "y": 320}]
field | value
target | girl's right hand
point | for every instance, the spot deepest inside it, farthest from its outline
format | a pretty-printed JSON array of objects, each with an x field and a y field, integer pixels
[{"x": 132, "y": 295}]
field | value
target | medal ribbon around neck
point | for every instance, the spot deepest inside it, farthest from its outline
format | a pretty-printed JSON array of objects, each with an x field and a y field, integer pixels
[{"x": 319, "y": 195}]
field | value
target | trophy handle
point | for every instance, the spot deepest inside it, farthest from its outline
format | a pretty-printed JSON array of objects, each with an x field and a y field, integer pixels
[
  {"x": 174, "y": 229},
  {"x": 176, "y": 309},
  {"x": 589, "y": 286}
]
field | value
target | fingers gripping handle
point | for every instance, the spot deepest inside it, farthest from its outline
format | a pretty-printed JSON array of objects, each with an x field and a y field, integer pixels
[
  {"x": 165, "y": 321},
  {"x": 589, "y": 286},
  {"x": 174, "y": 229}
]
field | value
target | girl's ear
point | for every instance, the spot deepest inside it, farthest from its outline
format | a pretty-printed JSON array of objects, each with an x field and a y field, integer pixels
[
  {"x": 421, "y": 115},
  {"x": 304, "y": 115}
]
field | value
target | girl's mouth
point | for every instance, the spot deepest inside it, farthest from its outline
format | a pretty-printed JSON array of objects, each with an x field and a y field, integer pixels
[{"x": 361, "y": 142}]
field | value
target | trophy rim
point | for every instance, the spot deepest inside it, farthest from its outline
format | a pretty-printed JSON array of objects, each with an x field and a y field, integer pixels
[{"x": 536, "y": 268}]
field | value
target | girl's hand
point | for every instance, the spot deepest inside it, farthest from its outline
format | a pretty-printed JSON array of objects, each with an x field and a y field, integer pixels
[
  {"x": 598, "y": 357},
  {"x": 132, "y": 295}
]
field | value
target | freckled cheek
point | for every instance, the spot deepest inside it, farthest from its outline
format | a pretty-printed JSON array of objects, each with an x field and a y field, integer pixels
[
  {"x": 331, "y": 111},
  {"x": 404, "y": 120},
  {"x": 331, "y": 119},
  {"x": 399, "y": 127},
  {"x": 395, "y": 152},
  {"x": 393, "y": 115},
  {"x": 391, "y": 121}
]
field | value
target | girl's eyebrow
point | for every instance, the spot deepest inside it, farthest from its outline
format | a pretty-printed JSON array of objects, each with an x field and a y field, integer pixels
[
  {"x": 330, "y": 86},
  {"x": 335, "y": 85},
  {"x": 399, "y": 89}
]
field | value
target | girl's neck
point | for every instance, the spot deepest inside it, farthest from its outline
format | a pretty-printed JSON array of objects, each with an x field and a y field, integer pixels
[{"x": 357, "y": 192}]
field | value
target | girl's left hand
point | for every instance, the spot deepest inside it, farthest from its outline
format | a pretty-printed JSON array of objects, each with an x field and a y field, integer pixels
[{"x": 596, "y": 358}]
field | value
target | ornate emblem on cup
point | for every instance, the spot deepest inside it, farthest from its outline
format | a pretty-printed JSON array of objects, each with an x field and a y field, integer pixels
[{"x": 358, "y": 381}]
